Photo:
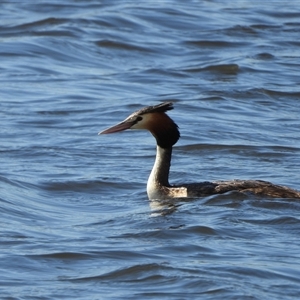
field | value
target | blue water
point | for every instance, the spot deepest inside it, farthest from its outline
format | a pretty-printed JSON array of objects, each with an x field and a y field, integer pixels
[{"x": 76, "y": 222}]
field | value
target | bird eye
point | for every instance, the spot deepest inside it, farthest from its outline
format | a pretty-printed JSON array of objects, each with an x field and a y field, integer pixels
[{"x": 136, "y": 119}]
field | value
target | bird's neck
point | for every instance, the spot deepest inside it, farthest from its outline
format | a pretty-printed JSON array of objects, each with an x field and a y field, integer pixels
[{"x": 159, "y": 177}]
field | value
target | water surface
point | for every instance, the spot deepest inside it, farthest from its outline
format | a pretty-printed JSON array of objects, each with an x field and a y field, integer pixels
[{"x": 75, "y": 219}]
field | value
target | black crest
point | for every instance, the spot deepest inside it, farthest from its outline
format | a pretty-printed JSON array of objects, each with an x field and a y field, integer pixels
[{"x": 162, "y": 107}]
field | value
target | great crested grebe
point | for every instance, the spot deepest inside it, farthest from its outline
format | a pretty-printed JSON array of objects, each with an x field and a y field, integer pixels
[{"x": 166, "y": 133}]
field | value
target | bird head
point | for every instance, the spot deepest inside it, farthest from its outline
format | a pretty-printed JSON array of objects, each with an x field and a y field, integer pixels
[{"x": 154, "y": 119}]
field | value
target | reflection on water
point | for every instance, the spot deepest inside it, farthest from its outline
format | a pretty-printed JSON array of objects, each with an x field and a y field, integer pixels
[
  {"x": 164, "y": 207},
  {"x": 75, "y": 219}
]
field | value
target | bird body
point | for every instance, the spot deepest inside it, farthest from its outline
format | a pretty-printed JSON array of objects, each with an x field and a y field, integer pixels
[{"x": 166, "y": 133}]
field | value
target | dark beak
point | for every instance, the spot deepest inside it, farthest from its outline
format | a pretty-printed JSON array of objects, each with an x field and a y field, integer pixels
[{"x": 116, "y": 128}]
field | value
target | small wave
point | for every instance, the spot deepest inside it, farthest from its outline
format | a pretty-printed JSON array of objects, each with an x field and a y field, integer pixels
[
  {"x": 221, "y": 68},
  {"x": 79, "y": 185},
  {"x": 141, "y": 271},
  {"x": 62, "y": 256},
  {"x": 121, "y": 45},
  {"x": 213, "y": 44}
]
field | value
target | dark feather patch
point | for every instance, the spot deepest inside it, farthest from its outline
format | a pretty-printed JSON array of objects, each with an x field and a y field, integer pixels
[{"x": 162, "y": 107}]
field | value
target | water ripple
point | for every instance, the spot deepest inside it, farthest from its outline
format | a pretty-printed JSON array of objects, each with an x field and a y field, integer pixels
[{"x": 75, "y": 218}]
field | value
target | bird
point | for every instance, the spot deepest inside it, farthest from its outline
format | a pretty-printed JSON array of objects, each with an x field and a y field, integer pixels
[{"x": 166, "y": 133}]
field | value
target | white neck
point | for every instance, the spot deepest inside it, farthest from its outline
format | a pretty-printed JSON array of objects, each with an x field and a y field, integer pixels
[{"x": 159, "y": 177}]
